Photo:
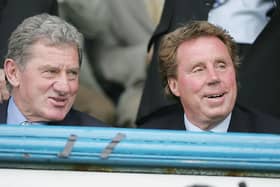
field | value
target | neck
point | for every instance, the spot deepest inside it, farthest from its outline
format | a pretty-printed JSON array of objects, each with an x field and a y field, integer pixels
[
  {"x": 205, "y": 124},
  {"x": 21, "y": 107}
]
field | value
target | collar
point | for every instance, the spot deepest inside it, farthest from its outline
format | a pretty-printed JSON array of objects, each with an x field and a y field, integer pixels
[
  {"x": 15, "y": 117},
  {"x": 221, "y": 127}
]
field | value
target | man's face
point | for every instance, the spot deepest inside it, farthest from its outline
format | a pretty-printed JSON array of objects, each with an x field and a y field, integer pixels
[
  {"x": 48, "y": 84},
  {"x": 206, "y": 81}
]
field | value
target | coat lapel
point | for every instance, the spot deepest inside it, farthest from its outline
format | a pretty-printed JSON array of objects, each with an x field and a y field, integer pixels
[{"x": 3, "y": 112}]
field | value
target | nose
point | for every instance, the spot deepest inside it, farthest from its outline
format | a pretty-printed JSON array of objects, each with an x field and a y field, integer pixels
[
  {"x": 213, "y": 76},
  {"x": 61, "y": 86}
]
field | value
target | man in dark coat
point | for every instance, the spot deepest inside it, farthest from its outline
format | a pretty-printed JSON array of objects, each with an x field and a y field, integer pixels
[
  {"x": 198, "y": 63},
  {"x": 42, "y": 67},
  {"x": 256, "y": 75}
]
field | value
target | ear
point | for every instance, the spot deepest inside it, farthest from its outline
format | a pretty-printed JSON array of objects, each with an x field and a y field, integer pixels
[
  {"x": 173, "y": 85},
  {"x": 12, "y": 72}
]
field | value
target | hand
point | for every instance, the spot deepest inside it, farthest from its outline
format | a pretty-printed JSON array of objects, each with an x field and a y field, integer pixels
[{"x": 4, "y": 93}]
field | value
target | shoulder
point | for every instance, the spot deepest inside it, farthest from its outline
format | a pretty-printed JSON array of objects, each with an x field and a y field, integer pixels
[
  {"x": 78, "y": 118},
  {"x": 3, "y": 111},
  {"x": 254, "y": 113},
  {"x": 251, "y": 120},
  {"x": 170, "y": 117}
]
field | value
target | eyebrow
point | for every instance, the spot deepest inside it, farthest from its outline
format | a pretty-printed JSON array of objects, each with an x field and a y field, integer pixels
[{"x": 43, "y": 67}]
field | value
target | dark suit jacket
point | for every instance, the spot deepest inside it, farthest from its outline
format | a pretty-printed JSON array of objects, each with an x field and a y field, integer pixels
[
  {"x": 73, "y": 117},
  {"x": 13, "y": 12},
  {"x": 243, "y": 119}
]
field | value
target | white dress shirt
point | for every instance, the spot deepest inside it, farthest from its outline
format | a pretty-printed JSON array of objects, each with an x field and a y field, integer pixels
[
  {"x": 221, "y": 127},
  {"x": 243, "y": 19}
]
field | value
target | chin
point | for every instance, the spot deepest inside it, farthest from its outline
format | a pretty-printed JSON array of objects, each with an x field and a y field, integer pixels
[
  {"x": 56, "y": 116},
  {"x": 218, "y": 114}
]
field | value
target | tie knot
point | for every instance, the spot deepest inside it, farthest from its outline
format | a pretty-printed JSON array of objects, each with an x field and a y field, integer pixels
[{"x": 25, "y": 123}]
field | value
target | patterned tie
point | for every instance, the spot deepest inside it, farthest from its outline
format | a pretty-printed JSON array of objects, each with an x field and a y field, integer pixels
[{"x": 25, "y": 123}]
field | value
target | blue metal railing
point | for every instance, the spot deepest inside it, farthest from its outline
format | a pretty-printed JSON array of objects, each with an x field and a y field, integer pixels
[{"x": 140, "y": 148}]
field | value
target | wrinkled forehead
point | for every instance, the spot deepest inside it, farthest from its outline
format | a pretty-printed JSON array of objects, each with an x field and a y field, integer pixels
[
  {"x": 31, "y": 49},
  {"x": 49, "y": 53}
]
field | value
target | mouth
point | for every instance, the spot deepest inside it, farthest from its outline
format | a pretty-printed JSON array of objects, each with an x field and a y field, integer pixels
[
  {"x": 214, "y": 96},
  {"x": 58, "y": 101}
]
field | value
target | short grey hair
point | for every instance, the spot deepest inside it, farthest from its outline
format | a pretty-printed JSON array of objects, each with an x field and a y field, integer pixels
[{"x": 52, "y": 30}]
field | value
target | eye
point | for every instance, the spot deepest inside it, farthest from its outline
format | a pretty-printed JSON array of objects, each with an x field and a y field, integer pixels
[
  {"x": 197, "y": 69},
  {"x": 73, "y": 74},
  {"x": 49, "y": 73},
  {"x": 221, "y": 65}
]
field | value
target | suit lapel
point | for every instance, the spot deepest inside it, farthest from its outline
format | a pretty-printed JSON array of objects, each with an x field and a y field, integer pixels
[
  {"x": 3, "y": 112},
  {"x": 72, "y": 118},
  {"x": 240, "y": 121},
  {"x": 177, "y": 117}
]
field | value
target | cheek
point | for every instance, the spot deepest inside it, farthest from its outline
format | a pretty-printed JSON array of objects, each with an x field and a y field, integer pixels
[
  {"x": 33, "y": 80},
  {"x": 31, "y": 84},
  {"x": 74, "y": 87},
  {"x": 43, "y": 84},
  {"x": 231, "y": 80},
  {"x": 189, "y": 85}
]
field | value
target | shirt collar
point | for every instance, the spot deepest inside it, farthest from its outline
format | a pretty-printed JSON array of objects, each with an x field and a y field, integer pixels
[
  {"x": 15, "y": 117},
  {"x": 221, "y": 127}
]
